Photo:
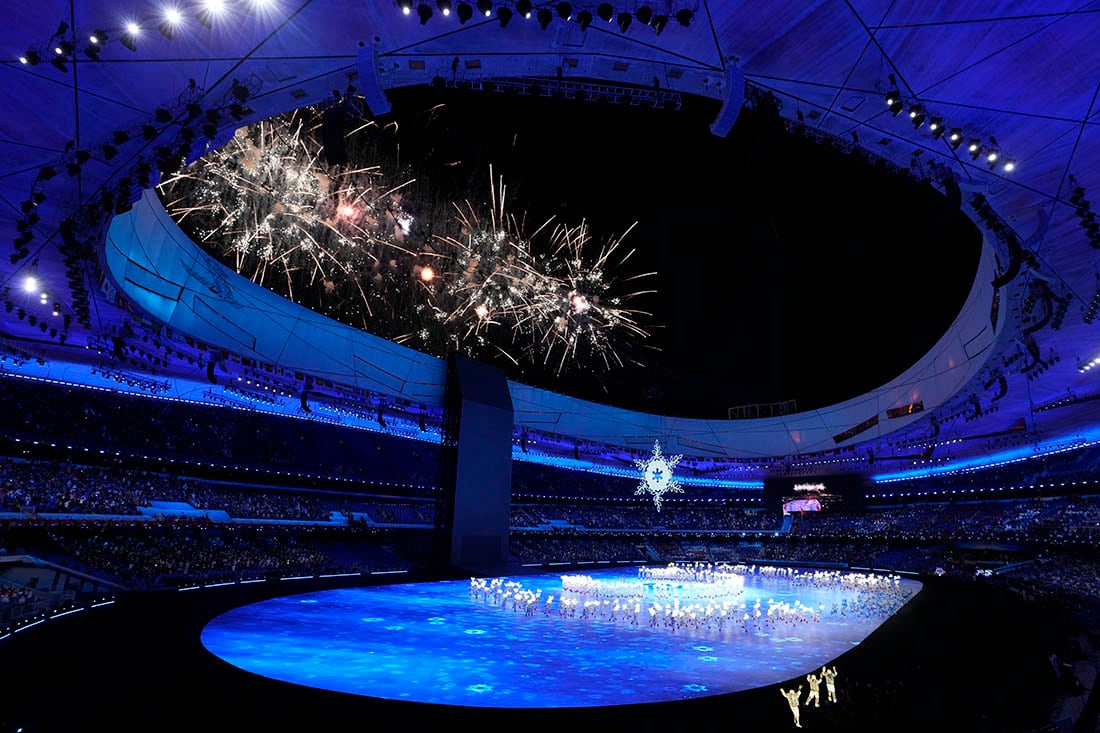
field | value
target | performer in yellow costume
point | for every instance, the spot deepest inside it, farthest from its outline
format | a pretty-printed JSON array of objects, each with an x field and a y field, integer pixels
[
  {"x": 815, "y": 690},
  {"x": 792, "y": 697}
]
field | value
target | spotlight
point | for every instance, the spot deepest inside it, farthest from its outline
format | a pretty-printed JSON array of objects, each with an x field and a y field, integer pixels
[
  {"x": 109, "y": 151},
  {"x": 659, "y": 23},
  {"x": 238, "y": 112},
  {"x": 64, "y": 49},
  {"x": 936, "y": 126},
  {"x": 148, "y": 132},
  {"x": 545, "y": 16},
  {"x": 684, "y": 17},
  {"x": 92, "y": 52},
  {"x": 167, "y": 30},
  {"x": 72, "y": 169},
  {"x": 975, "y": 149},
  {"x": 406, "y": 6},
  {"x": 98, "y": 38},
  {"x": 1010, "y": 165},
  {"x": 605, "y": 12},
  {"x": 992, "y": 158},
  {"x": 210, "y": 130},
  {"x": 644, "y": 14},
  {"x": 46, "y": 172},
  {"x": 193, "y": 111},
  {"x": 58, "y": 63},
  {"x": 916, "y": 114},
  {"x": 523, "y": 7},
  {"x": 485, "y": 7},
  {"x": 955, "y": 138},
  {"x": 624, "y": 21},
  {"x": 584, "y": 18},
  {"x": 424, "y": 12},
  {"x": 163, "y": 115},
  {"x": 504, "y": 15},
  {"x": 465, "y": 12},
  {"x": 129, "y": 39},
  {"x": 30, "y": 58},
  {"x": 444, "y": 7},
  {"x": 565, "y": 11},
  {"x": 893, "y": 101}
]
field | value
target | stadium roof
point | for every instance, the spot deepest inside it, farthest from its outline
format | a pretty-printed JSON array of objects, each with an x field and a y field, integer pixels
[{"x": 82, "y": 118}]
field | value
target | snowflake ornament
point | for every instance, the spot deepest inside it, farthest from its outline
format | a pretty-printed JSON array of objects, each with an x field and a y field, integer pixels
[{"x": 657, "y": 477}]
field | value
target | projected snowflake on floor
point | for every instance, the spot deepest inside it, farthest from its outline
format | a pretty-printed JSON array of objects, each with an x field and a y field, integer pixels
[{"x": 657, "y": 477}]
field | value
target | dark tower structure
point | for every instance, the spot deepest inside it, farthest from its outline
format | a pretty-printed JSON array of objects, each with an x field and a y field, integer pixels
[{"x": 475, "y": 464}]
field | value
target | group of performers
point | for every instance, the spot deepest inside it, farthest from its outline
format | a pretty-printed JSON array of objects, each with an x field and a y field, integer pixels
[{"x": 794, "y": 696}]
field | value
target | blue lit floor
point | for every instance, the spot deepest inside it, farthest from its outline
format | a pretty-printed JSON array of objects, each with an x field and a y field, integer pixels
[{"x": 434, "y": 643}]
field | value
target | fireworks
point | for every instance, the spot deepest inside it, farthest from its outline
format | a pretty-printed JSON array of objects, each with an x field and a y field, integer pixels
[{"x": 460, "y": 278}]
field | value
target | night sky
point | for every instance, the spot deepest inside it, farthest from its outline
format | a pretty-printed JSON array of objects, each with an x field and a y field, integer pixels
[{"x": 785, "y": 271}]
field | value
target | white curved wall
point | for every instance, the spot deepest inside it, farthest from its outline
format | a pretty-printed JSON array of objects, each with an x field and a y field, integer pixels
[{"x": 157, "y": 266}]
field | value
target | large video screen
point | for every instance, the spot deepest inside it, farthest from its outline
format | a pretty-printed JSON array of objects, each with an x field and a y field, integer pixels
[{"x": 837, "y": 492}]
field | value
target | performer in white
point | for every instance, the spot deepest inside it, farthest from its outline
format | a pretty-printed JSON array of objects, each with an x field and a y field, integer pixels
[{"x": 829, "y": 675}]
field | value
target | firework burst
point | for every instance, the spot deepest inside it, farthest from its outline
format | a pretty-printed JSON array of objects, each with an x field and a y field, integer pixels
[{"x": 464, "y": 279}]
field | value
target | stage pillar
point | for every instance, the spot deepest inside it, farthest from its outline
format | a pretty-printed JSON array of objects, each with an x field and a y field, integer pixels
[{"x": 475, "y": 464}]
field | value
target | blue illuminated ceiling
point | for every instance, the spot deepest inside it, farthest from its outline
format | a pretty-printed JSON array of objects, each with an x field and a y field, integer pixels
[{"x": 1020, "y": 78}]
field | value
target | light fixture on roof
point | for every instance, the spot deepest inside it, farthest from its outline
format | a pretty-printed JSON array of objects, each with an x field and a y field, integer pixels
[
  {"x": 916, "y": 115},
  {"x": 955, "y": 138},
  {"x": 644, "y": 14},
  {"x": 624, "y": 21},
  {"x": 424, "y": 12},
  {"x": 444, "y": 7},
  {"x": 605, "y": 12},
  {"x": 565, "y": 11},
  {"x": 1010, "y": 165},
  {"x": 974, "y": 147},
  {"x": 524, "y": 8},
  {"x": 684, "y": 17},
  {"x": 894, "y": 103},
  {"x": 545, "y": 17},
  {"x": 584, "y": 18},
  {"x": 30, "y": 58},
  {"x": 129, "y": 38},
  {"x": 464, "y": 12},
  {"x": 209, "y": 10},
  {"x": 485, "y": 7},
  {"x": 406, "y": 6},
  {"x": 504, "y": 15},
  {"x": 936, "y": 126},
  {"x": 659, "y": 23},
  {"x": 993, "y": 158}
]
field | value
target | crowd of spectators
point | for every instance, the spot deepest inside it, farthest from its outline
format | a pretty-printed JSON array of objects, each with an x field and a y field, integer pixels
[
  {"x": 97, "y": 422},
  {"x": 1055, "y": 520}
]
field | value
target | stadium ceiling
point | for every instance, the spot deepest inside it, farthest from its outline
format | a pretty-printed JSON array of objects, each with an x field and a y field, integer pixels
[{"x": 1016, "y": 79}]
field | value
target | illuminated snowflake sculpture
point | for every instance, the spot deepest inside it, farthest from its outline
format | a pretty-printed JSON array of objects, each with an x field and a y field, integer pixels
[{"x": 657, "y": 477}]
